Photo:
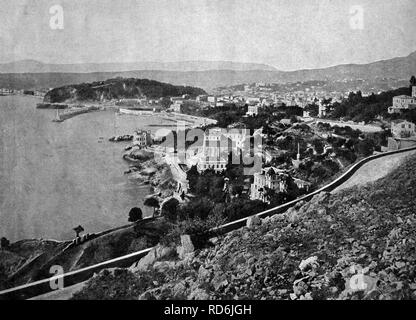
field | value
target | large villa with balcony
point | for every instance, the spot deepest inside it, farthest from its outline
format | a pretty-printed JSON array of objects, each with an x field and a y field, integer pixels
[
  {"x": 217, "y": 144},
  {"x": 275, "y": 179},
  {"x": 403, "y": 102}
]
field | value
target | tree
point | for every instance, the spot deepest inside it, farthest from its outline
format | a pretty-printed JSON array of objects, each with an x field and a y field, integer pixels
[
  {"x": 170, "y": 208},
  {"x": 240, "y": 208},
  {"x": 365, "y": 147},
  {"x": 413, "y": 81},
  {"x": 4, "y": 243},
  {"x": 78, "y": 230},
  {"x": 153, "y": 203},
  {"x": 165, "y": 102},
  {"x": 313, "y": 109},
  {"x": 135, "y": 214},
  {"x": 192, "y": 176},
  {"x": 200, "y": 208}
]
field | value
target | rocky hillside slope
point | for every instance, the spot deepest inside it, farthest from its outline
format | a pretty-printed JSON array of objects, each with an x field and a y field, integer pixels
[
  {"x": 30, "y": 260},
  {"x": 118, "y": 88},
  {"x": 359, "y": 243}
]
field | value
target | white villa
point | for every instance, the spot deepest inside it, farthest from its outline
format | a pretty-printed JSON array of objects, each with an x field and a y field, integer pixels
[
  {"x": 253, "y": 110},
  {"x": 403, "y": 102},
  {"x": 271, "y": 178},
  {"x": 274, "y": 179},
  {"x": 142, "y": 138},
  {"x": 214, "y": 151},
  {"x": 217, "y": 145},
  {"x": 402, "y": 129}
]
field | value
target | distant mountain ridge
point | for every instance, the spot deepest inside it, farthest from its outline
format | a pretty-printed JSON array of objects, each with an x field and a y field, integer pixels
[
  {"x": 397, "y": 68},
  {"x": 33, "y": 66}
]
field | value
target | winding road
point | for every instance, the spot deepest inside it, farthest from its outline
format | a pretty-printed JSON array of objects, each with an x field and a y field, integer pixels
[{"x": 374, "y": 170}]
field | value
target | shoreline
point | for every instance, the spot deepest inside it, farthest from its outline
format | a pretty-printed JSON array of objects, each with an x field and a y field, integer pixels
[{"x": 158, "y": 182}]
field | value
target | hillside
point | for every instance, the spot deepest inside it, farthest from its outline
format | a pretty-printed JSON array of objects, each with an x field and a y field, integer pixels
[
  {"x": 30, "y": 260},
  {"x": 207, "y": 75},
  {"x": 118, "y": 88},
  {"x": 356, "y": 244}
]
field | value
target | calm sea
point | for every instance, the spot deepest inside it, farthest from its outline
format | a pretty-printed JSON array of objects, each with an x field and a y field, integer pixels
[{"x": 55, "y": 176}]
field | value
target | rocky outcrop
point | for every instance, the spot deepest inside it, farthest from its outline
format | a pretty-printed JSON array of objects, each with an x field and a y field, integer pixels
[
  {"x": 157, "y": 174},
  {"x": 126, "y": 137},
  {"x": 186, "y": 248},
  {"x": 159, "y": 252}
]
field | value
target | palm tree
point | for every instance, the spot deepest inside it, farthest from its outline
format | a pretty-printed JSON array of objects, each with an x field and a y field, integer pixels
[{"x": 78, "y": 230}]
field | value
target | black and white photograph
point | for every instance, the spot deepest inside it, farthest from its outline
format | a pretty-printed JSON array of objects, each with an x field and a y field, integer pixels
[{"x": 208, "y": 154}]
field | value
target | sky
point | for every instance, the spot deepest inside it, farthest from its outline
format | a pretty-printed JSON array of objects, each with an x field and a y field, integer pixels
[{"x": 287, "y": 34}]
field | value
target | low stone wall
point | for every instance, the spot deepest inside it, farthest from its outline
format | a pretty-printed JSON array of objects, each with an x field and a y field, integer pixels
[{"x": 43, "y": 286}]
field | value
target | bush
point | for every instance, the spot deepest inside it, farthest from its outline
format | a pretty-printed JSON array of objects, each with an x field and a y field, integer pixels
[
  {"x": 365, "y": 148},
  {"x": 198, "y": 230},
  {"x": 135, "y": 214},
  {"x": 4, "y": 243}
]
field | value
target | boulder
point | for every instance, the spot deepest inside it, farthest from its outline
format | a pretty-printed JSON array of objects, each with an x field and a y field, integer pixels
[
  {"x": 309, "y": 263},
  {"x": 144, "y": 263},
  {"x": 186, "y": 247},
  {"x": 253, "y": 221},
  {"x": 198, "y": 294},
  {"x": 152, "y": 294},
  {"x": 179, "y": 290},
  {"x": 204, "y": 274},
  {"x": 300, "y": 288},
  {"x": 163, "y": 266},
  {"x": 148, "y": 260},
  {"x": 361, "y": 283}
]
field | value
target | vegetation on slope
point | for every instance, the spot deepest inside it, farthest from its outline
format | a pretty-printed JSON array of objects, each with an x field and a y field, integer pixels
[
  {"x": 30, "y": 260},
  {"x": 366, "y": 108},
  {"x": 356, "y": 244},
  {"x": 118, "y": 88}
]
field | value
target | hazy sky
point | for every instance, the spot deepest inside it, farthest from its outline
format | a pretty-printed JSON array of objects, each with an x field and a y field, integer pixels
[{"x": 288, "y": 34}]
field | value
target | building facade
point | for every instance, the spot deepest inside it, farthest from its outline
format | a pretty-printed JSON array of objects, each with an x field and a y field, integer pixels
[
  {"x": 402, "y": 129},
  {"x": 403, "y": 102},
  {"x": 253, "y": 110},
  {"x": 142, "y": 138},
  {"x": 268, "y": 177},
  {"x": 217, "y": 145},
  {"x": 214, "y": 151},
  {"x": 274, "y": 179}
]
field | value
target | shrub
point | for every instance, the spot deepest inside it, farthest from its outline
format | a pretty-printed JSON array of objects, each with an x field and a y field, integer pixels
[
  {"x": 4, "y": 242},
  {"x": 135, "y": 214}
]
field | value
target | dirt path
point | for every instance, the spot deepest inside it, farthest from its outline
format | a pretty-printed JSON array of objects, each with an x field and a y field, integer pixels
[{"x": 374, "y": 170}]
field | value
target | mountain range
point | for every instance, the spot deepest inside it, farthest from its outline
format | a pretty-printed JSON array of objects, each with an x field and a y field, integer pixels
[
  {"x": 33, "y": 66},
  {"x": 30, "y": 74}
]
